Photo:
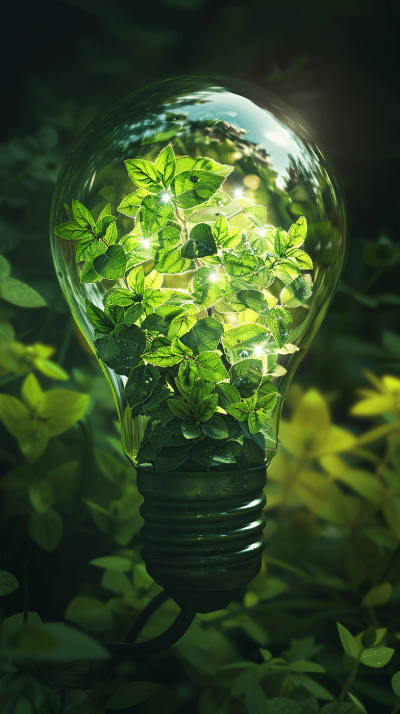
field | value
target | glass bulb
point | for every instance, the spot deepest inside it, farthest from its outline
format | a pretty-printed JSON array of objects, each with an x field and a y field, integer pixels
[{"x": 199, "y": 233}]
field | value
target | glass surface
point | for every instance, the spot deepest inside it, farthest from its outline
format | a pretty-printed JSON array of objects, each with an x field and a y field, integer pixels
[{"x": 274, "y": 162}]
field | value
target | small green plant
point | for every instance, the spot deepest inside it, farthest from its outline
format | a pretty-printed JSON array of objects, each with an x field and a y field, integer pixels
[{"x": 203, "y": 382}]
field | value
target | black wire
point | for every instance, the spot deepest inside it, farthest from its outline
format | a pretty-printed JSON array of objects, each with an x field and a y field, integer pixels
[
  {"x": 159, "y": 643},
  {"x": 145, "y": 615}
]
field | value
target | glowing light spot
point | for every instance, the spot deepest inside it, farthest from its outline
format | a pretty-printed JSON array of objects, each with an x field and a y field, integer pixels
[
  {"x": 276, "y": 138},
  {"x": 146, "y": 243},
  {"x": 239, "y": 193},
  {"x": 213, "y": 277},
  {"x": 262, "y": 232},
  {"x": 165, "y": 197},
  {"x": 258, "y": 350}
]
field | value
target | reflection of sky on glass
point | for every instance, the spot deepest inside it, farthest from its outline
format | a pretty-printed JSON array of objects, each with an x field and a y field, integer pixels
[{"x": 262, "y": 128}]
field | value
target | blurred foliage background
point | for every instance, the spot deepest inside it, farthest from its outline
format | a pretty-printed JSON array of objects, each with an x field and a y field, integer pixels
[{"x": 67, "y": 494}]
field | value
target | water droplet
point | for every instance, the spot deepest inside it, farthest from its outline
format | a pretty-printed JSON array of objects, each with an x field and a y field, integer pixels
[
  {"x": 60, "y": 275},
  {"x": 194, "y": 179},
  {"x": 243, "y": 354}
]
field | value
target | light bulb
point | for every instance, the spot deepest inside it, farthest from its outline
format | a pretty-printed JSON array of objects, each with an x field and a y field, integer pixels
[{"x": 199, "y": 302}]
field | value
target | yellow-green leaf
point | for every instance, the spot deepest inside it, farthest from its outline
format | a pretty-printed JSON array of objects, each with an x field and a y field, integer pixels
[
  {"x": 41, "y": 495},
  {"x": 391, "y": 511},
  {"x": 113, "y": 562},
  {"x": 374, "y": 405},
  {"x": 31, "y": 391},
  {"x": 33, "y": 437},
  {"x": 62, "y": 402},
  {"x": 32, "y": 639},
  {"x": 332, "y": 441},
  {"x": 8, "y": 583},
  {"x": 322, "y": 496},
  {"x": 51, "y": 369},
  {"x": 363, "y": 483},
  {"x": 12, "y": 413},
  {"x": 378, "y": 595},
  {"x": 90, "y": 613}
]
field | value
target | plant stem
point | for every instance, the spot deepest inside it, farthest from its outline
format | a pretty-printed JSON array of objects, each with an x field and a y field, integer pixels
[
  {"x": 396, "y": 709},
  {"x": 348, "y": 684},
  {"x": 12, "y": 377}
]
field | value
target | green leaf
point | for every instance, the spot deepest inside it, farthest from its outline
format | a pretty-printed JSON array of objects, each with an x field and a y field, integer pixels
[
  {"x": 253, "y": 300},
  {"x": 227, "y": 393},
  {"x": 163, "y": 357},
  {"x": 190, "y": 431},
  {"x": 215, "y": 428},
  {"x": 21, "y": 294},
  {"x": 172, "y": 262},
  {"x": 112, "y": 264},
  {"x": 246, "y": 376},
  {"x": 219, "y": 205},
  {"x": 98, "y": 318},
  {"x": 220, "y": 230},
  {"x": 180, "y": 325},
  {"x": 130, "y": 205},
  {"x": 187, "y": 374},
  {"x": 240, "y": 342},
  {"x": 89, "y": 248},
  {"x": 201, "y": 408},
  {"x": 135, "y": 281},
  {"x": 350, "y": 646},
  {"x": 191, "y": 188},
  {"x": 141, "y": 383},
  {"x": 145, "y": 175},
  {"x": 118, "y": 296},
  {"x": 112, "y": 562},
  {"x": 240, "y": 266},
  {"x": 285, "y": 270},
  {"x": 281, "y": 242},
  {"x": 153, "y": 298},
  {"x": 255, "y": 699},
  {"x": 257, "y": 215},
  {"x": 279, "y": 321},
  {"x": 170, "y": 458},
  {"x": 368, "y": 637},
  {"x": 204, "y": 335},
  {"x": 201, "y": 242},
  {"x": 5, "y": 267},
  {"x": 241, "y": 410},
  {"x": 82, "y": 215},
  {"x": 300, "y": 259},
  {"x": 297, "y": 233},
  {"x": 8, "y": 583},
  {"x": 377, "y": 656},
  {"x": 166, "y": 165},
  {"x": 207, "y": 287},
  {"x": 210, "y": 367},
  {"x": 71, "y": 230},
  {"x": 267, "y": 395},
  {"x": 262, "y": 239},
  {"x": 378, "y": 595},
  {"x": 46, "y": 529},
  {"x": 162, "y": 135},
  {"x": 178, "y": 408},
  {"x": 131, "y": 343},
  {"x": 130, "y": 694},
  {"x": 153, "y": 214},
  {"x": 41, "y": 495},
  {"x": 298, "y": 291},
  {"x": 396, "y": 683},
  {"x": 187, "y": 163}
]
